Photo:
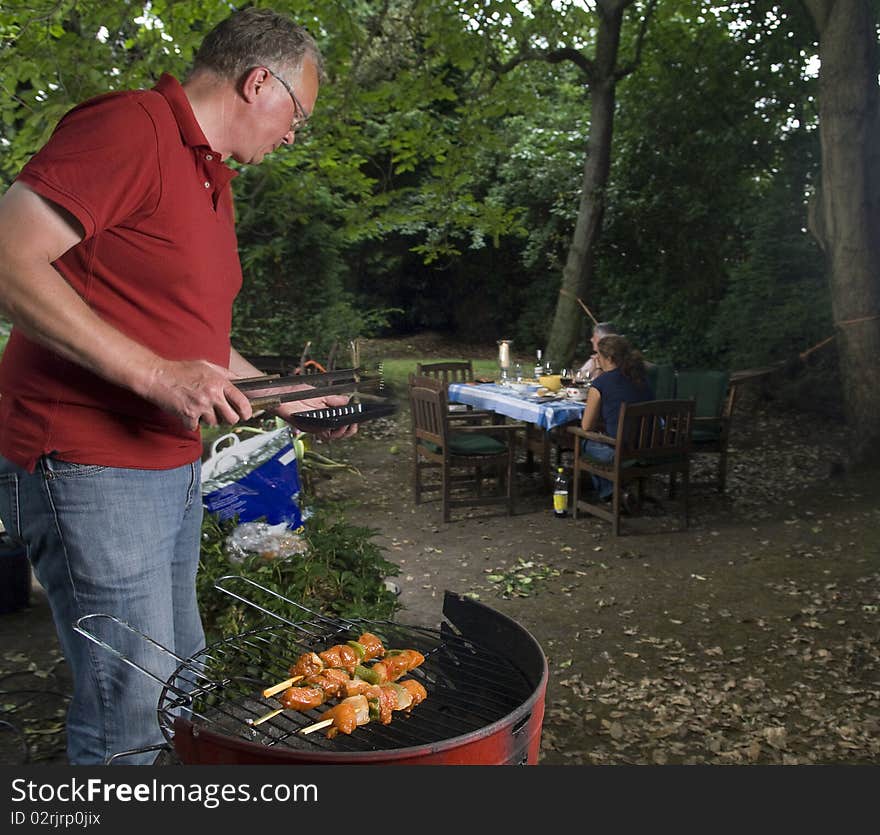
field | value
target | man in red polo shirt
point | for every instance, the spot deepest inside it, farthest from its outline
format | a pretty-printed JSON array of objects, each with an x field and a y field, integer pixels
[{"x": 118, "y": 269}]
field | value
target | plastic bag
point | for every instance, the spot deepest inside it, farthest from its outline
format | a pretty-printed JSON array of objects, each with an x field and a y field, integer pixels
[
  {"x": 267, "y": 541},
  {"x": 255, "y": 479}
]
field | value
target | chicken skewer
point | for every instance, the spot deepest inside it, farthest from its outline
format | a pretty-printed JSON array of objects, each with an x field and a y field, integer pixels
[
  {"x": 335, "y": 682},
  {"x": 347, "y": 656},
  {"x": 376, "y": 704}
]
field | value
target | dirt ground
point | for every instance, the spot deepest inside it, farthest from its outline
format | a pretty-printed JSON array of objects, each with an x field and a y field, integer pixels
[{"x": 751, "y": 637}]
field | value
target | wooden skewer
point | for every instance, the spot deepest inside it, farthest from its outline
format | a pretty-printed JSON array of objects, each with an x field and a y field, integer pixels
[
  {"x": 282, "y": 685},
  {"x": 324, "y": 723},
  {"x": 265, "y": 717}
]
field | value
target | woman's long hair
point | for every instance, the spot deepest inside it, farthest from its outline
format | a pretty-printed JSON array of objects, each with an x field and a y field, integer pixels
[{"x": 624, "y": 356}]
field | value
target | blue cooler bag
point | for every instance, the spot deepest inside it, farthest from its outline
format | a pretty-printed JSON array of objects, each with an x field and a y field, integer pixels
[{"x": 254, "y": 479}]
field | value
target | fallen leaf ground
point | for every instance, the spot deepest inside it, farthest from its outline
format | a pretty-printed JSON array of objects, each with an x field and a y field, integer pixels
[{"x": 752, "y": 637}]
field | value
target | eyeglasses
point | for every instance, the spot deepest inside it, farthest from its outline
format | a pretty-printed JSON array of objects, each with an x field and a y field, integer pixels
[{"x": 300, "y": 117}]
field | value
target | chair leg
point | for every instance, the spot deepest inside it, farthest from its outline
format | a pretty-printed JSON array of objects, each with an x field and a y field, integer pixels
[
  {"x": 685, "y": 488},
  {"x": 511, "y": 473},
  {"x": 576, "y": 480},
  {"x": 444, "y": 490},
  {"x": 722, "y": 471},
  {"x": 545, "y": 463},
  {"x": 417, "y": 491},
  {"x": 615, "y": 509}
]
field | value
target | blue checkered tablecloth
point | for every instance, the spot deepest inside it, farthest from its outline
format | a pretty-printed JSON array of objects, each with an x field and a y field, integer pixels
[{"x": 527, "y": 407}]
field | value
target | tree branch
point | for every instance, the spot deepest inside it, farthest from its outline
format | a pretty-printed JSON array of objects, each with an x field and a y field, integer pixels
[
  {"x": 551, "y": 56},
  {"x": 633, "y": 65}
]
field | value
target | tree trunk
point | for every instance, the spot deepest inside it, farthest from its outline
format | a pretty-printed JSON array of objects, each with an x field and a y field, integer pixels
[
  {"x": 848, "y": 210},
  {"x": 577, "y": 275}
]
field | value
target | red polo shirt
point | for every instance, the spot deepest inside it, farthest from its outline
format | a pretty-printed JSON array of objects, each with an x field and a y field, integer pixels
[{"x": 159, "y": 261}]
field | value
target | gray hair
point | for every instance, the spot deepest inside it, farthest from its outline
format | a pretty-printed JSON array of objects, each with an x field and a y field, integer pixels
[{"x": 255, "y": 38}]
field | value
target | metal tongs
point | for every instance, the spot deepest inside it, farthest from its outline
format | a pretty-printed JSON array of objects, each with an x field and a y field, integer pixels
[{"x": 268, "y": 390}]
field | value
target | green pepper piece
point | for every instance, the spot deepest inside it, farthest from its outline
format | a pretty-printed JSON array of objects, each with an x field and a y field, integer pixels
[
  {"x": 359, "y": 648},
  {"x": 366, "y": 674},
  {"x": 374, "y": 709}
]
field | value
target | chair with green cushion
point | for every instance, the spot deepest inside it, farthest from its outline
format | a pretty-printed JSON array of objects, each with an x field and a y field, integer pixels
[
  {"x": 713, "y": 397},
  {"x": 449, "y": 442},
  {"x": 661, "y": 378},
  {"x": 653, "y": 438}
]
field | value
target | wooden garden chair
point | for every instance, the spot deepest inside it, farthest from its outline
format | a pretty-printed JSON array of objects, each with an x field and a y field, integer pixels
[
  {"x": 448, "y": 442},
  {"x": 653, "y": 438}
]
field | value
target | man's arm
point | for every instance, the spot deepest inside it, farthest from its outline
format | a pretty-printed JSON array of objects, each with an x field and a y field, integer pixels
[{"x": 33, "y": 234}]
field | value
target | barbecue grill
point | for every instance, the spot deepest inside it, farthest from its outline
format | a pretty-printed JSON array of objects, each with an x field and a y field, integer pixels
[{"x": 485, "y": 675}]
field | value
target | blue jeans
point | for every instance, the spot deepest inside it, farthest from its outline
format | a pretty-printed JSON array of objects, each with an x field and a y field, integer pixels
[
  {"x": 604, "y": 453},
  {"x": 123, "y": 542}
]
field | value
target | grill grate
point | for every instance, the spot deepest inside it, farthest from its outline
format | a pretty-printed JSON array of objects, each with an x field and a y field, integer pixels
[{"x": 469, "y": 687}]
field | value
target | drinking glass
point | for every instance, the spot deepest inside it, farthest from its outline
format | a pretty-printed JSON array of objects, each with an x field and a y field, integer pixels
[{"x": 518, "y": 372}]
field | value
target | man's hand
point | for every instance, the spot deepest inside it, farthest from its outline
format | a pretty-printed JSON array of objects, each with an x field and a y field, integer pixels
[
  {"x": 197, "y": 391},
  {"x": 289, "y": 411}
]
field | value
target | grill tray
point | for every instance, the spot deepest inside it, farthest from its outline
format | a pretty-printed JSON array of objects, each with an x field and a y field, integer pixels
[
  {"x": 337, "y": 416},
  {"x": 469, "y": 688},
  {"x": 485, "y": 701}
]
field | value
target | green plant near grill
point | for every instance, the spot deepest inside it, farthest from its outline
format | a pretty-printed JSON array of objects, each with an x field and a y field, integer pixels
[{"x": 341, "y": 574}]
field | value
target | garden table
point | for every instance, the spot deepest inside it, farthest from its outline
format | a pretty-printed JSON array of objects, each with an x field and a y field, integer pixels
[{"x": 543, "y": 414}]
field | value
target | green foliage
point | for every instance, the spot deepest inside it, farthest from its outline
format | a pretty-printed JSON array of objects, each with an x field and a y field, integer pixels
[
  {"x": 341, "y": 575},
  {"x": 777, "y": 303},
  {"x": 522, "y": 580},
  {"x": 695, "y": 164},
  {"x": 435, "y": 192}
]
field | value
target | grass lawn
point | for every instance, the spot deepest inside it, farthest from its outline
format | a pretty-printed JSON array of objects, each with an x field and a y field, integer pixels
[{"x": 397, "y": 371}]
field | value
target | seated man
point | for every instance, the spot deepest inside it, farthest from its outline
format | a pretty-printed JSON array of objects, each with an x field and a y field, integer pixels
[{"x": 590, "y": 369}]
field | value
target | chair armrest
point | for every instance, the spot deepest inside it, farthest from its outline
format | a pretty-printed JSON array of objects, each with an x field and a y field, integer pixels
[{"x": 592, "y": 436}]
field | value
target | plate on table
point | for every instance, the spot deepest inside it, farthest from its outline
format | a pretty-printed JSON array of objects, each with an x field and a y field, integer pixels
[{"x": 338, "y": 416}]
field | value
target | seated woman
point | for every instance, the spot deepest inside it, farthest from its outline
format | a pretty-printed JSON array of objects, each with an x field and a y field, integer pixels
[
  {"x": 623, "y": 380},
  {"x": 590, "y": 369}
]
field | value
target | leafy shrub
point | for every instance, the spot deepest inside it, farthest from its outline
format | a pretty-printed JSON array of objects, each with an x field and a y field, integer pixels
[{"x": 341, "y": 575}]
